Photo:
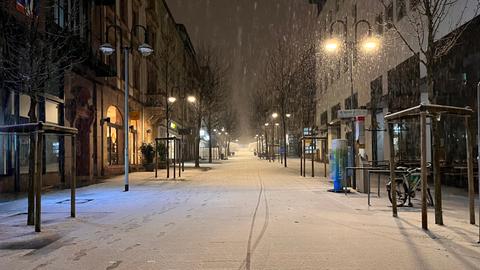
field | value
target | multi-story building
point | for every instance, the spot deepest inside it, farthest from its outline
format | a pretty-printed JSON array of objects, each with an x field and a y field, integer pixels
[
  {"x": 392, "y": 77},
  {"x": 91, "y": 98}
]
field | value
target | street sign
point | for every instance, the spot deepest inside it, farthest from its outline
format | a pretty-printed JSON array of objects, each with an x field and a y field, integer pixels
[{"x": 349, "y": 114}]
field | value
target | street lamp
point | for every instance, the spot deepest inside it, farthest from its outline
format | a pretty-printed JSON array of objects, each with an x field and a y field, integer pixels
[
  {"x": 191, "y": 99},
  {"x": 368, "y": 44},
  {"x": 172, "y": 99},
  {"x": 274, "y": 115},
  {"x": 145, "y": 50}
]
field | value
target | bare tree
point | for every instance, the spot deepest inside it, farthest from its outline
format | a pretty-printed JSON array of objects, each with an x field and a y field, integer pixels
[
  {"x": 288, "y": 74},
  {"x": 37, "y": 51},
  {"x": 212, "y": 91},
  {"x": 425, "y": 34}
]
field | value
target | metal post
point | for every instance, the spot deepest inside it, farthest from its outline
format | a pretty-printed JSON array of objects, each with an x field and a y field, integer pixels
[
  {"x": 436, "y": 172},
  {"x": 471, "y": 186},
  {"x": 354, "y": 180},
  {"x": 423, "y": 163},
  {"x": 126, "y": 112},
  {"x": 478, "y": 153},
  {"x": 368, "y": 188},
  {"x": 393, "y": 188},
  {"x": 73, "y": 184},
  {"x": 38, "y": 184}
]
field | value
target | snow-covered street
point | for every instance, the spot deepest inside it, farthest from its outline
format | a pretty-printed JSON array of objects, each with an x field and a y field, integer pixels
[{"x": 244, "y": 213}]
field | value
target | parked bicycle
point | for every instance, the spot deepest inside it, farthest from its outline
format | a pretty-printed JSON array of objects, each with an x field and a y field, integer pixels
[{"x": 407, "y": 185}]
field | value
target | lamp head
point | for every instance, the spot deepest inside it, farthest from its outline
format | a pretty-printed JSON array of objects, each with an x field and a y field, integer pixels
[
  {"x": 191, "y": 99},
  {"x": 107, "y": 49},
  {"x": 172, "y": 99},
  {"x": 145, "y": 49},
  {"x": 332, "y": 45}
]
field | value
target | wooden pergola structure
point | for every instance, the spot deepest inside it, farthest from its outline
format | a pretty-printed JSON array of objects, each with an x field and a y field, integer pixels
[
  {"x": 303, "y": 158},
  {"x": 177, "y": 146},
  {"x": 37, "y": 132},
  {"x": 434, "y": 112}
]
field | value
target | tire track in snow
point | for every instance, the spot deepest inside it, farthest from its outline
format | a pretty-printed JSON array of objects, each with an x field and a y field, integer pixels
[{"x": 251, "y": 248}]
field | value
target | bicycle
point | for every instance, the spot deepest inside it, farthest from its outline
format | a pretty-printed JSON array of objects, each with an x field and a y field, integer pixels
[{"x": 407, "y": 185}]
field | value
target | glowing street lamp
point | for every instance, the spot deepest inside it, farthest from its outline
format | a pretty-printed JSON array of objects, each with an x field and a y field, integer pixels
[
  {"x": 288, "y": 115},
  {"x": 191, "y": 99},
  {"x": 172, "y": 99},
  {"x": 274, "y": 115}
]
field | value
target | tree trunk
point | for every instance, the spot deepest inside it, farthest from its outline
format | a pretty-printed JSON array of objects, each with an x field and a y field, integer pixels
[
  {"x": 31, "y": 164},
  {"x": 209, "y": 127},
  {"x": 197, "y": 142},
  {"x": 436, "y": 173},
  {"x": 285, "y": 143}
]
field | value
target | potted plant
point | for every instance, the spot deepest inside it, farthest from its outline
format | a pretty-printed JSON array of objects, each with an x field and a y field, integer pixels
[
  {"x": 148, "y": 154},
  {"x": 162, "y": 161}
]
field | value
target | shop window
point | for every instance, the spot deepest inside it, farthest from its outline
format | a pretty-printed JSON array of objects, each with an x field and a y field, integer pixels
[
  {"x": 52, "y": 153},
  {"x": 113, "y": 134}
]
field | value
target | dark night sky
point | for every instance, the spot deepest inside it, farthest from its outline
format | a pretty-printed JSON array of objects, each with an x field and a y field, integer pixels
[{"x": 243, "y": 31}]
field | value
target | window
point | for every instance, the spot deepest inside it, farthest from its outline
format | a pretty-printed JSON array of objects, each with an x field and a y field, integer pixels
[
  {"x": 334, "y": 111},
  {"x": 59, "y": 13},
  {"x": 389, "y": 15},
  {"x": 401, "y": 9},
  {"x": 350, "y": 100},
  {"x": 324, "y": 118},
  {"x": 51, "y": 112},
  {"x": 52, "y": 153},
  {"x": 25, "y": 106},
  {"x": 379, "y": 23},
  {"x": 4, "y": 146}
]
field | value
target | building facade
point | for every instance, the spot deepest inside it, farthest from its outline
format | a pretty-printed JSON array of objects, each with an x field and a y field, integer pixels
[
  {"x": 392, "y": 77},
  {"x": 91, "y": 98}
]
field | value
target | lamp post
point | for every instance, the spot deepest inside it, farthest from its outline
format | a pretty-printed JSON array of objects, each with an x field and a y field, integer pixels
[
  {"x": 171, "y": 100},
  {"x": 267, "y": 154},
  {"x": 285, "y": 151},
  {"x": 145, "y": 50},
  {"x": 369, "y": 44}
]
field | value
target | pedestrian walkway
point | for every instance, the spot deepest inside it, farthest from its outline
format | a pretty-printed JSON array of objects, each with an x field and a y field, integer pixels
[{"x": 241, "y": 214}]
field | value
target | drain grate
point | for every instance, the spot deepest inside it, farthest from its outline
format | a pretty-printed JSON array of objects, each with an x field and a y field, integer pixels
[{"x": 78, "y": 201}]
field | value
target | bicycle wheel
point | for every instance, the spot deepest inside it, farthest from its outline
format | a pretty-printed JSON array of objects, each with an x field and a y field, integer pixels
[{"x": 401, "y": 190}]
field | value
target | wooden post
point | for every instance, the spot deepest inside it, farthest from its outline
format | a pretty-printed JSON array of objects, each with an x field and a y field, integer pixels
[
  {"x": 423, "y": 162},
  {"x": 304, "y": 158},
  {"x": 301, "y": 158},
  {"x": 38, "y": 184},
  {"x": 31, "y": 184},
  {"x": 73, "y": 184},
  {"x": 174, "y": 158},
  {"x": 471, "y": 186},
  {"x": 436, "y": 172},
  {"x": 393, "y": 187},
  {"x": 312, "y": 144},
  {"x": 156, "y": 158},
  {"x": 180, "y": 153}
]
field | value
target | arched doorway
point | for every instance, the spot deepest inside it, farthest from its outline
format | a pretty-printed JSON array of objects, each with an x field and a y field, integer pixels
[{"x": 114, "y": 143}]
